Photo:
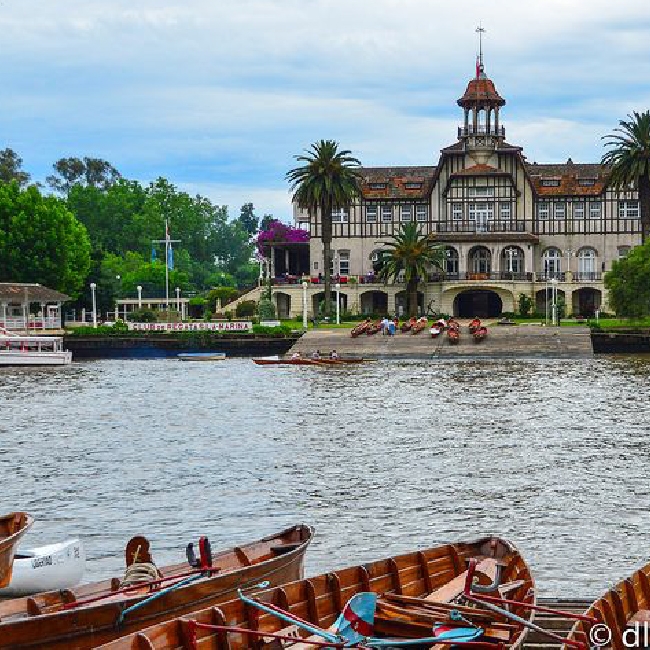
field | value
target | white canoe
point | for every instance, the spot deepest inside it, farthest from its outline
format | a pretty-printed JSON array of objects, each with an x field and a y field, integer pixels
[
  {"x": 46, "y": 568},
  {"x": 201, "y": 356}
]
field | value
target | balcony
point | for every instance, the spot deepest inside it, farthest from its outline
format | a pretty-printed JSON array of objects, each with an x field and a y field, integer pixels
[
  {"x": 481, "y": 130},
  {"x": 587, "y": 277},
  {"x": 476, "y": 228},
  {"x": 497, "y": 276}
]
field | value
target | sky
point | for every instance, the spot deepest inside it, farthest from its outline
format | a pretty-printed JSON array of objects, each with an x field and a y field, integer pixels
[{"x": 218, "y": 96}]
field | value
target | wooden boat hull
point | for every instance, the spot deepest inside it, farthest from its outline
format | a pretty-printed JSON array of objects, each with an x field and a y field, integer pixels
[
  {"x": 201, "y": 356},
  {"x": 12, "y": 528},
  {"x": 64, "y": 626},
  {"x": 55, "y": 566},
  {"x": 359, "y": 329},
  {"x": 435, "y": 332},
  {"x": 480, "y": 334},
  {"x": 453, "y": 336},
  {"x": 320, "y": 599}
]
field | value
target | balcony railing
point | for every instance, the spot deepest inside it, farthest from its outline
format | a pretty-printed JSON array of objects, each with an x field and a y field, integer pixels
[
  {"x": 481, "y": 130},
  {"x": 587, "y": 277},
  {"x": 34, "y": 323},
  {"x": 491, "y": 226},
  {"x": 551, "y": 275}
]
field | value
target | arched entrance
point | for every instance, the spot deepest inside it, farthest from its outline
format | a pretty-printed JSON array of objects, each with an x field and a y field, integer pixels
[
  {"x": 586, "y": 301},
  {"x": 401, "y": 303},
  {"x": 374, "y": 302},
  {"x": 283, "y": 304},
  {"x": 477, "y": 302}
]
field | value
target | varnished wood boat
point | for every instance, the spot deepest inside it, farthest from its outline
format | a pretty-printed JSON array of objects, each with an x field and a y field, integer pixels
[
  {"x": 420, "y": 324},
  {"x": 623, "y": 609},
  {"x": 480, "y": 334},
  {"x": 100, "y": 612},
  {"x": 453, "y": 335},
  {"x": 407, "y": 325},
  {"x": 414, "y": 590},
  {"x": 474, "y": 325},
  {"x": 373, "y": 328},
  {"x": 359, "y": 329},
  {"x": 279, "y": 361},
  {"x": 12, "y": 528}
]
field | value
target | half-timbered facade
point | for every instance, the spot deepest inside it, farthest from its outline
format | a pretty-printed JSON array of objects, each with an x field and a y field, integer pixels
[{"x": 508, "y": 226}]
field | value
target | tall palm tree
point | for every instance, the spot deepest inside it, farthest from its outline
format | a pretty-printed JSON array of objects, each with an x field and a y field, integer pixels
[
  {"x": 629, "y": 159},
  {"x": 328, "y": 180},
  {"x": 412, "y": 252}
]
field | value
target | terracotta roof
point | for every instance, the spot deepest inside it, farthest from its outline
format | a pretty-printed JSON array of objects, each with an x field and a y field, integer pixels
[
  {"x": 481, "y": 90},
  {"x": 569, "y": 176},
  {"x": 396, "y": 180},
  {"x": 16, "y": 291}
]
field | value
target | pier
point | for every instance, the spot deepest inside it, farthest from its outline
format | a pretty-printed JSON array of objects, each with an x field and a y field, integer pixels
[{"x": 503, "y": 342}]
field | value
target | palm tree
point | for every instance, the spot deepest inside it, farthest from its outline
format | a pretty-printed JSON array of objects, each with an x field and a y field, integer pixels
[
  {"x": 412, "y": 252},
  {"x": 629, "y": 159},
  {"x": 328, "y": 180}
]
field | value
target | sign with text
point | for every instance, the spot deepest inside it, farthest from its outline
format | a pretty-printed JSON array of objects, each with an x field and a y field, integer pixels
[{"x": 219, "y": 326}]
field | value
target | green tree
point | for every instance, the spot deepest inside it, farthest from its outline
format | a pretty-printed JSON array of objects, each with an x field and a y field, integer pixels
[
  {"x": 328, "y": 180},
  {"x": 266, "y": 221},
  {"x": 628, "y": 283},
  {"x": 11, "y": 168},
  {"x": 411, "y": 253},
  {"x": 91, "y": 172},
  {"x": 247, "y": 219},
  {"x": 629, "y": 159},
  {"x": 41, "y": 241}
]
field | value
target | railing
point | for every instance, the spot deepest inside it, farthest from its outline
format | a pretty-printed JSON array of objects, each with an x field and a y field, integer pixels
[
  {"x": 36, "y": 323},
  {"x": 551, "y": 275},
  {"x": 587, "y": 277},
  {"x": 473, "y": 227},
  {"x": 481, "y": 130}
]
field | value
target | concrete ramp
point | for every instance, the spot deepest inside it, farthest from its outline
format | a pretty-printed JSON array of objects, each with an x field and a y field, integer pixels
[{"x": 503, "y": 342}]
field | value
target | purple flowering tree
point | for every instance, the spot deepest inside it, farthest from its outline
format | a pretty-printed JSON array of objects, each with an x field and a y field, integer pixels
[{"x": 279, "y": 233}]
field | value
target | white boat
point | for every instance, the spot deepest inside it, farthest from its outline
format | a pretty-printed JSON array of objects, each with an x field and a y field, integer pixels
[
  {"x": 201, "y": 356},
  {"x": 46, "y": 568},
  {"x": 16, "y": 350}
]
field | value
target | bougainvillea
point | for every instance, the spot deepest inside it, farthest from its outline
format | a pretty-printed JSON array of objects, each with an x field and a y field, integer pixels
[{"x": 280, "y": 233}]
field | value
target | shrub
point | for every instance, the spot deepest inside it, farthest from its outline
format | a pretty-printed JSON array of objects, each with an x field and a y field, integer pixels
[
  {"x": 245, "y": 308},
  {"x": 142, "y": 316},
  {"x": 197, "y": 301},
  {"x": 224, "y": 294},
  {"x": 266, "y": 309},
  {"x": 525, "y": 305},
  {"x": 283, "y": 330}
]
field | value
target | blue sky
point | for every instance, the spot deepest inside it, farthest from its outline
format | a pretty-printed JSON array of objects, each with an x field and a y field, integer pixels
[{"x": 218, "y": 95}]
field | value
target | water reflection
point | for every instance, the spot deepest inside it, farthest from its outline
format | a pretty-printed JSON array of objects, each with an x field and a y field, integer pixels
[{"x": 381, "y": 458}]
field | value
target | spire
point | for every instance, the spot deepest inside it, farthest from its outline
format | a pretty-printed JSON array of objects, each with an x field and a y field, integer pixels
[{"x": 480, "y": 69}]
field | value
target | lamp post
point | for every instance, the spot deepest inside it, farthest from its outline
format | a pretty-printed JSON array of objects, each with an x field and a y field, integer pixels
[
  {"x": 304, "y": 305},
  {"x": 139, "y": 288},
  {"x": 178, "y": 299},
  {"x": 338, "y": 303},
  {"x": 554, "y": 299},
  {"x": 117, "y": 305},
  {"x": 93, "y": 286}
]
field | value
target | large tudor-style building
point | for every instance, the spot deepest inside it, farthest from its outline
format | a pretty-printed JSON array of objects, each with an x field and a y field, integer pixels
[{"x": 508, "y": 227}]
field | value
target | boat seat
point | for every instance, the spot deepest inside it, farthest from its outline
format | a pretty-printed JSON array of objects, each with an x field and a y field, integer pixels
[
  {"x": 281, "y": 549},
  {"x": 486, "y": 571},
  {"x": 508, "y": 588}
]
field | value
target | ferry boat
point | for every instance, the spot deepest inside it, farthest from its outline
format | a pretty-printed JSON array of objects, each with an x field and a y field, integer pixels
[{"x": 16, "y": 350}]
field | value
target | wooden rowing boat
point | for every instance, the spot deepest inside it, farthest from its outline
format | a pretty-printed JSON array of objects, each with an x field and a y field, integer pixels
[
  {"x": 623, "y": 607},
  {"x": 201, "y": 356},
  {"x": 360, "y": 329},
  {"x": 100, "y": 612},
  {"x": 474, "y": 325},
  {"x": 480, "y": 334},
  {"x": 12, "y": 527},
  {"x": 413, "y": 591},
  {"x": 435, "y": 332},
  {"x": 373, "y": 328},
  {"x": 277, "y": 361},
  {"x": 419, "y": 325},
  {"x": 453, "y": 335}
]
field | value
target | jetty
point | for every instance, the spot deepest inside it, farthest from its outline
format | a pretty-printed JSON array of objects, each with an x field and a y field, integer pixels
[{"x": 503, "y": 342}]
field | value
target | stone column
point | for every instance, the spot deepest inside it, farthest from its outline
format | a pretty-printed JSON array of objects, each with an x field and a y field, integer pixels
[
  {"x": 4, "y": 313},
  {"x": 43, "y": 316},
  {"x": 286, "y": 260},
  {"x": 272, "y": 263}
]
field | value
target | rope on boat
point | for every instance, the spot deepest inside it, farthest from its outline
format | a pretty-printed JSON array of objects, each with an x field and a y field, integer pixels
[{"x": 140, "y": 572}]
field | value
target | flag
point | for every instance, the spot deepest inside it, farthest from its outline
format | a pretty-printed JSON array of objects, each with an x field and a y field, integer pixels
[
  {"x": 153, "y": 253},
  {"x": 478, "y": 67},
  {"x": 170, "y": 256}
]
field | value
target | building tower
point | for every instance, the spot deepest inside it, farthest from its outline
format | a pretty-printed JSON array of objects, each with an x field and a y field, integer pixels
[{"x": 481, "y": 103}]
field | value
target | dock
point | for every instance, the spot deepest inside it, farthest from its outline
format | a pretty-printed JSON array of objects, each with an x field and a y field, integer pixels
[
  {"x": 503, "y": 342},
  {"x": 553, "y": 623}
]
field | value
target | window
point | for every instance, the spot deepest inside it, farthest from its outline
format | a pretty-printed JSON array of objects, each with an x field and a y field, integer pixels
[
  {"x": 344, "y": 262},
  {"x": 386, "y": 212},
  {"x": 481, "y": 213},
  {"x": 480, "y": 260},
  {"x": 628, "y": 209},
  {"x": 512, "y": 260},
  {"x": 451, "y": 260},
  {"x": 552, "y": 262},
  {"x": 303, "y": 225},
  {"x": 586, "y": 264},
  {"x": 504, "y": 210},
  {"x": 339, "y": 215},
  {"x": 550, "y": 182},
  {"x": 315, "y": 266},
  {"x": 371, "y": 213},
  {"x": 457, "y": 211},
  {"x": 623, "y": 252},
  {"x": 595, "y": 210},
  {"x": 578, "y": 210},
  {"x": 542, "y": 210},
  {"x": 560, "y": 210},
  {"x": 412, "y": 186},
  {"x": 421, "y": 212},
  {"x": 406, "y": 212},
  {"x": 377, "y": 186},
  {"x": 481, "y": 191},
  {"x": 586, "y": 182}
]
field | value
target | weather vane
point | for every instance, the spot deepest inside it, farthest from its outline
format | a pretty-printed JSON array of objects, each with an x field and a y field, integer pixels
[{"x": 479, "y": 63}]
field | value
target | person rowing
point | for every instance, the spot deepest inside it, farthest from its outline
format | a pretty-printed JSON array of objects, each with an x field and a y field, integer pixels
[
  {"x": 334, "y": 354},
  {"x": 315, "y": 355}
]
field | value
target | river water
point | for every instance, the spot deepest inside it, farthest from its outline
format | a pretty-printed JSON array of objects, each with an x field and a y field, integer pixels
[{"x": 381, "y": 458}]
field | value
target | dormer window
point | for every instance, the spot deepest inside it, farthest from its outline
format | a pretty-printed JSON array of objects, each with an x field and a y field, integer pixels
[
  {"x": 550, "y": 182},
  {"x": 586, "y": 182},
  {"x": 412, "y": 185},
  {"x": 377, "y": 186}
]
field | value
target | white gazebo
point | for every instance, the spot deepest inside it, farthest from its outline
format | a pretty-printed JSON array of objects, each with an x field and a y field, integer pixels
[{"x": 16, "y": 298}]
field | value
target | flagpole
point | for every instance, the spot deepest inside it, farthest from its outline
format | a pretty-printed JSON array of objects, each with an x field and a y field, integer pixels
[{"x": 166, "y": 265}]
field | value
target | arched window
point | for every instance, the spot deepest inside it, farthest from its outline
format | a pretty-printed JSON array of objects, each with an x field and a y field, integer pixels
[
  {"x": 552, "y": 263},
  {"x": 587, "y": 264},
  {"x": 480, "y": 260},
  {"x": 451, "y": 260},
  {"x": 512, "y": 260}
]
